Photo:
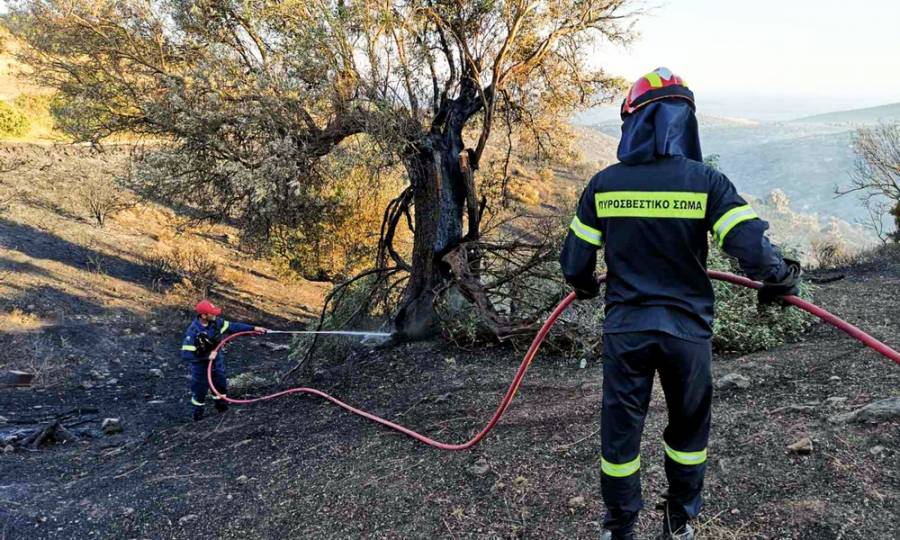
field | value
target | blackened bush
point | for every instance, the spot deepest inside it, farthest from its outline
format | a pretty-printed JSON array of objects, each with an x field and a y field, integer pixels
[{"x": 196, "y": 271}]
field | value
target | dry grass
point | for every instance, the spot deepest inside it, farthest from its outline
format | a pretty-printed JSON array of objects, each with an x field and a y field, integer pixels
[
  {"x": 713, "y": 528},
  {"x": 19, "y": 320},
  {"x": 58, "y": 270}
]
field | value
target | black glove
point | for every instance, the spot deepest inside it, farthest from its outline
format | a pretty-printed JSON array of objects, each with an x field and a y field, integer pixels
[
  {"x": 789, "y": 285},
  {"x": 205, "y": 346},
  {"x": 593, "y": 291}
]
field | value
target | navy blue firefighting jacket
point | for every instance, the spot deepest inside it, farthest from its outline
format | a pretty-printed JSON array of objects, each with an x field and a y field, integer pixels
[
  {"x": 216, "y": 329},
  {"x": 652, "y": 213}
]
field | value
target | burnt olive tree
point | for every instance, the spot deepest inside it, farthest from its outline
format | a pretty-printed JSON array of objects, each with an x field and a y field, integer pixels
[{"x": 248, "y": 100}]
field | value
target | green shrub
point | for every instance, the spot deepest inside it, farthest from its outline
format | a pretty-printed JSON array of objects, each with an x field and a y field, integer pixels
[
  {"x": 740, "y": 326},
  {"x": 36, "y": 108},
  {"x": 12, "y": 122}
]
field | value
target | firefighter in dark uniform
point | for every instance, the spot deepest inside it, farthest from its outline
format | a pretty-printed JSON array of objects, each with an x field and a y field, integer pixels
[
  {"x": 652, "y": 213},
  {"x": 202, "y": 336}
]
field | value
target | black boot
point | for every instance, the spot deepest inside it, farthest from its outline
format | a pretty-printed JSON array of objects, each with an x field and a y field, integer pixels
[
  {"x": 221, "y": 405},
  {"x": 198, "y": 412},
  {"x": 675, "y": 525}
]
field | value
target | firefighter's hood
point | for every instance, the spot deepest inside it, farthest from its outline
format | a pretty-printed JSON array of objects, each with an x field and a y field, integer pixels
[{"x": 662, "y": 128}]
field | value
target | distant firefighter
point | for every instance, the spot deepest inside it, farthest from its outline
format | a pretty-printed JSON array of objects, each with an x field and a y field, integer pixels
[{"x": 202, "y": 337}]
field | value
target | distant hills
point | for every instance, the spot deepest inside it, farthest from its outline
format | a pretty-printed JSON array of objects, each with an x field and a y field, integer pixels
[
  {"x": 869, "y": 115},
  {"x": 610, "y": 116},
  {"x": 768, "y": 163},
  {"x": 807, "y": 158}
]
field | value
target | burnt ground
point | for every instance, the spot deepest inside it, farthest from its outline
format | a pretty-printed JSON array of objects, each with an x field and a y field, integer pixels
[
  {"x": 77, "y": 308},
  {"x": 301, "y": 468}
]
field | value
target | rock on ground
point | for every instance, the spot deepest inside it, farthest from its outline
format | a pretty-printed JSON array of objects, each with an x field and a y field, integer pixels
[
  {"x": 480, "y": 467},
  {"x": 882, "y": 410},
  {"x": 111, "y": 425},
  {"x": 803, "y": 446},
  {"x": 275, "y": 347},
  {"x": 245, "y": 381},
  {"x": 733, "y": 380}
]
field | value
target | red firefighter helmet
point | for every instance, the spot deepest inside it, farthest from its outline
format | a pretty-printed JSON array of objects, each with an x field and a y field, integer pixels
[
  {"x": 205, "y": 307},
  {"x": 659, "y": 84}
]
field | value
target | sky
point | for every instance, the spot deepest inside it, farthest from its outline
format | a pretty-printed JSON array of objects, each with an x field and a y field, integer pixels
[{"x": 769, "y": 59}]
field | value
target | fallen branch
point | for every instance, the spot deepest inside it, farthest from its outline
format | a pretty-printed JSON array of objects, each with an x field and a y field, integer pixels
[
  {"x": 579, "y": 441},
  {"x": 51, "y": 433},
  {"x": 826, "y": 279},
  {"x": 475, "y": 291}
]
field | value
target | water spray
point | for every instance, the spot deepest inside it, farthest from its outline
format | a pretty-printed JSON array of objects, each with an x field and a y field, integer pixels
[{"x": 333, "y": 333}]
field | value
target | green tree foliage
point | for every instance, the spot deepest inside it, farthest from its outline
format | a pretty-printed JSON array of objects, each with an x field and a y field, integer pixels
[
  {"x": 741, "y": 325},
  {"x": 251, "y": 97}
]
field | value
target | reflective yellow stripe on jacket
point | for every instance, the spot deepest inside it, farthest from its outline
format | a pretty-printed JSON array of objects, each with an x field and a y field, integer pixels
[
  {"x": 728, "y": 221},
  {"x": 585, "y": 232},
  {"x": 651, "y": 204}
]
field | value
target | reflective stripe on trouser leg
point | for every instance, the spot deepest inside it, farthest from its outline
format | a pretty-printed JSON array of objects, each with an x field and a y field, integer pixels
[
  {"x": 687, "y": 382},
  {"x": 627, "y": 383},
  {"x": 620, "y": 470},
  {"x": 685, "y": 458}
]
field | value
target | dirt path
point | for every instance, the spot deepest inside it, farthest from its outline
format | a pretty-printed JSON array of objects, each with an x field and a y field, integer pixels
[{"x": 300, "y": 468}]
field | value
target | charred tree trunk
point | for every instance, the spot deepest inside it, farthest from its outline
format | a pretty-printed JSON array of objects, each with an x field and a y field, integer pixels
[
  {"x": 439, "y": 195},
  {"x": 441, "y": 173}
]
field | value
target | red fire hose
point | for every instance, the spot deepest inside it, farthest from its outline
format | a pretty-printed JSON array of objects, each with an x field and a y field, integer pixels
[{"x": 855, "y": 332}]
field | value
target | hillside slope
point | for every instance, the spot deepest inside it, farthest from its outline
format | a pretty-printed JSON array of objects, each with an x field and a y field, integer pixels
[
  {"x": 300, "y": 468},
  {"x": 71, "y": 291},
  {"x": 869, "y": 115}
]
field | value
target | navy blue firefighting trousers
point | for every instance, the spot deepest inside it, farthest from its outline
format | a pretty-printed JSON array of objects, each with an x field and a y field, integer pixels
[
  {"x": 629, "y": 363},
  {"x": 199, "y": 384}
]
